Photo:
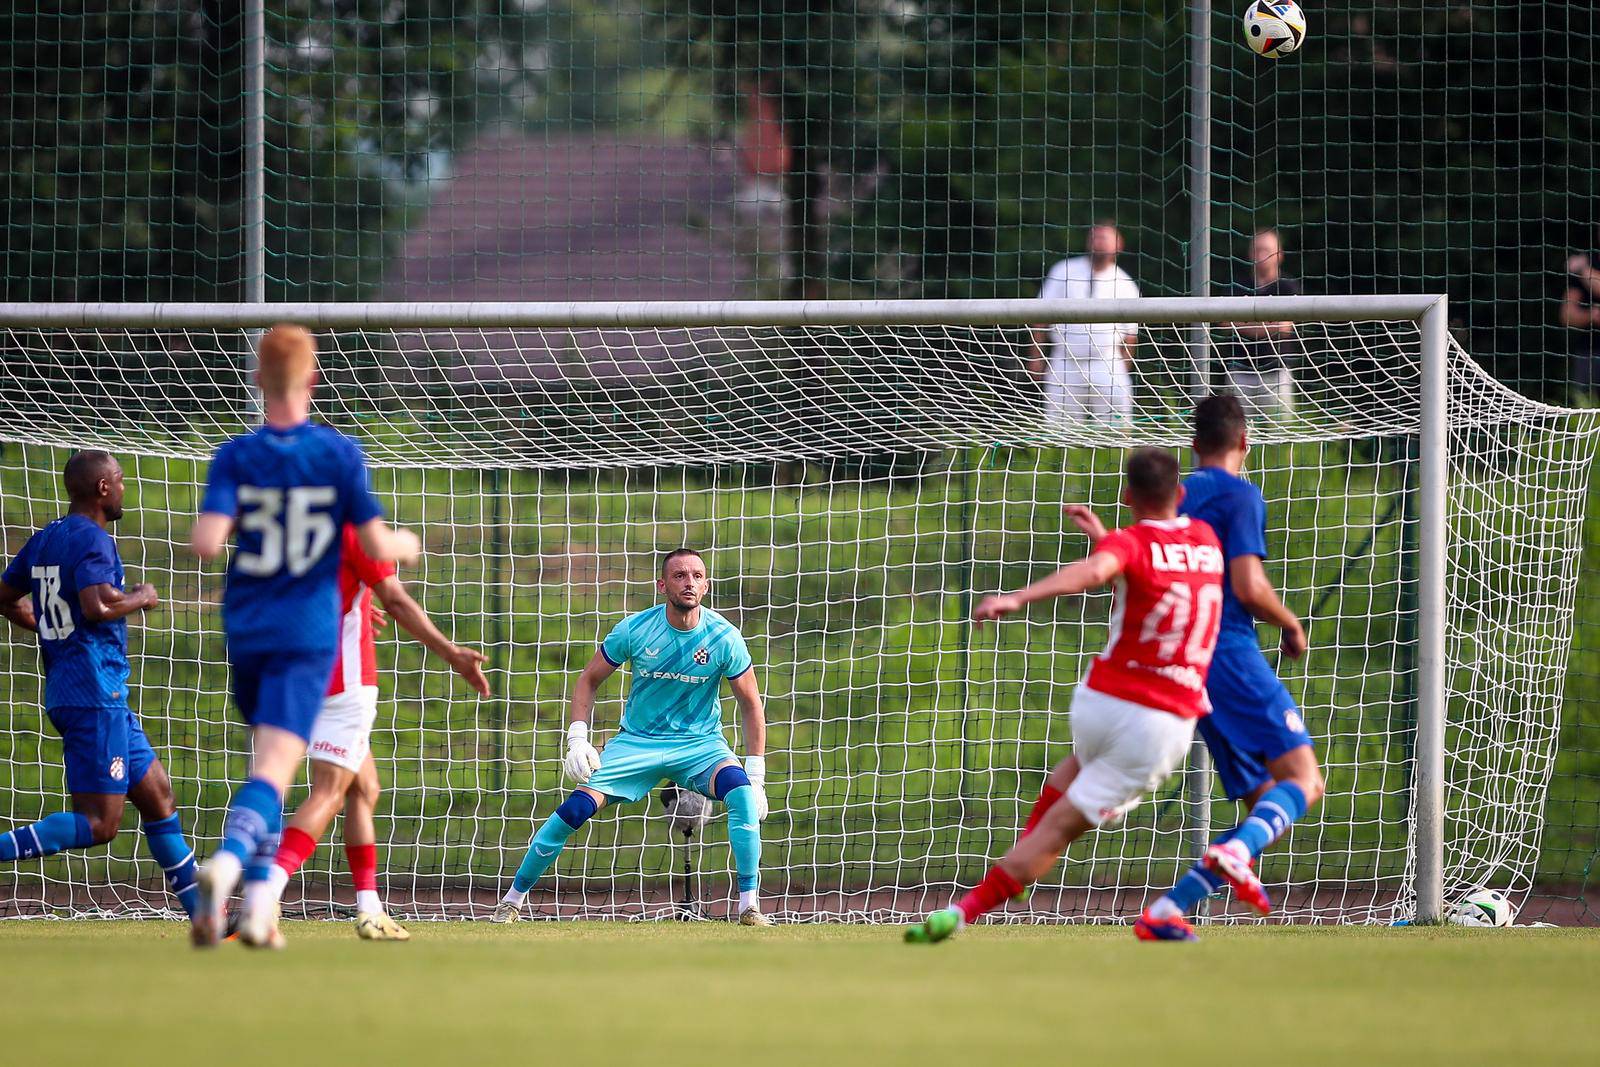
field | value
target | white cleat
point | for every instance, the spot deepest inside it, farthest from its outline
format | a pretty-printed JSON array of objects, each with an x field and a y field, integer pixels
[
  {"x": 215, "y": 880},
  {"x": 377, "y": 926},
  {"x": 258, "y": 928},
  {"x": 752, "y": 916},
  {"x": 506, "y": 912}
]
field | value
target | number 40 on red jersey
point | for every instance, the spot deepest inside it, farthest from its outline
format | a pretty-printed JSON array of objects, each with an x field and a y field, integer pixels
[{"x": 1167, "y": 606}]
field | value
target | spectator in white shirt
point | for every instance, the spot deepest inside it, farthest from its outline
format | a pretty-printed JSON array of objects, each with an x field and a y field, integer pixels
[{"x": 1087, "y": 368}]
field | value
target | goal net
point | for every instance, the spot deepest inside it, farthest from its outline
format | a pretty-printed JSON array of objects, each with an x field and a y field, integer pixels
[{"x": 854, "y": 482}]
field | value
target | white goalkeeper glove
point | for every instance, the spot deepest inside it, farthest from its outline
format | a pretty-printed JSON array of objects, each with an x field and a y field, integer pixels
[
  {"x": 755, "y": 769},
  {"x": 581, "y": 759}
]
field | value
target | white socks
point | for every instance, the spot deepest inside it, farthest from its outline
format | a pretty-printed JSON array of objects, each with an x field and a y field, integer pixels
[
  {"x": 367, "y": 901},
  {"x": 278, "y": 879},
  {"x": 749, "y": 898},
  {"x": 258, "y": 895},
  {"x": 225, "y": 870},
  {"x": 514, "y": 897},
  {"x": 1164, "y": 909}
]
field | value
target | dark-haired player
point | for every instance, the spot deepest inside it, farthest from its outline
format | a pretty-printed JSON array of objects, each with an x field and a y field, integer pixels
[
  {"x": 74, "y": 574},
  {"x": 1133, "y": 716},
  {"x": 1257, "y": 739},
  {"x": 671, "y": 728}
]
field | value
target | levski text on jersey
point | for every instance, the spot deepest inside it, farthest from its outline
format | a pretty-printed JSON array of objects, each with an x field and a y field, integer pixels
[{"x": 1206, "y": 559}]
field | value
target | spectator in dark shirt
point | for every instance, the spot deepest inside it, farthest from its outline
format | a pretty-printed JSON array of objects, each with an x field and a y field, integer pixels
[
  {"x": 1580, "y": 313},
  {"x": 1259, "y": 362}
]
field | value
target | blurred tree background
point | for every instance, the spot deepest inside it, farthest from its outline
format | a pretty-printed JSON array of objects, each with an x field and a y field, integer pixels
[{"x": 935, "y": 147}]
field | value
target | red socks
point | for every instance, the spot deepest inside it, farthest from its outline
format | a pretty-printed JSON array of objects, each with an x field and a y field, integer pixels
[
  {"x": 294, "y": 848},
  {"x": 1047, "y": 798},
  {"x": 363, "y": 860},
  {"x": 996, "y": 888}
]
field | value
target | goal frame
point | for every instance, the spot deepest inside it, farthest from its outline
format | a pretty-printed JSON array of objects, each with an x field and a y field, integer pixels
[{"x": 1428, "y": 311}]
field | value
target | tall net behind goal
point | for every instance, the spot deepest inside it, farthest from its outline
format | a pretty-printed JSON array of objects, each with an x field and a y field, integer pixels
[{"x": 853, "y": 488}]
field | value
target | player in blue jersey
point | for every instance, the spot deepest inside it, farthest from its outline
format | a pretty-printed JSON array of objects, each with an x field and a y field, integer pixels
[
  {"x": 1258, "y": 742},
  {"x": 671, "y": 729},
  {"x": 283, "y": 493},
  {"x": 79, "y": 609}
]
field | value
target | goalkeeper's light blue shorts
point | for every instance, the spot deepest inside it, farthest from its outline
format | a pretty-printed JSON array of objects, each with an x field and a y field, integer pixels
[{"x": 631, "y": 765}]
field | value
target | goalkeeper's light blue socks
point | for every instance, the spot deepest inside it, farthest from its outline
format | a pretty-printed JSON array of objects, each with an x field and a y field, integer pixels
[
  {"x": 164, "y": 838},
  {"x": 547, "y": 844},
  {"x": 51, "y": 834},
  {"x": 1274, "y": 813},
  {"x": 744, "y": 838}
]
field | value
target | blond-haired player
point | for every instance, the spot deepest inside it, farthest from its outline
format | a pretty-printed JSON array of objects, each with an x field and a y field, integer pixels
[{"x": 282, "y": 492}]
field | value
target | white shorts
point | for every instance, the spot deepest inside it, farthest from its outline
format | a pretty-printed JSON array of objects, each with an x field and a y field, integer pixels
[
  {"x": 1263, "y": 393},
  {"x": 342, "y": 734},
  {"x": 1124, "y": 751},
  {"x": 1086, "y": 385}
]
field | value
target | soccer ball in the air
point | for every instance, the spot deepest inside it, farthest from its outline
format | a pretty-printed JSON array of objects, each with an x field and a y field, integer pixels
[
  {"x": 1486, "y": 907},
  {"x": 1274, "y": 28}
]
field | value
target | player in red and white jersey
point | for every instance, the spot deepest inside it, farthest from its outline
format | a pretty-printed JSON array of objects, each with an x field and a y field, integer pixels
[
  {"x": 343, "y": 774},
  {"x": 1133, "y": 716}
]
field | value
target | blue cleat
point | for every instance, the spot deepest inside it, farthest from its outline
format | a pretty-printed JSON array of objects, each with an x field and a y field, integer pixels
[{"x": 1176, "y": 928}]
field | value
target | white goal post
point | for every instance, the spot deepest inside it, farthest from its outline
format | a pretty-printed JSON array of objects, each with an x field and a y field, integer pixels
[{"x": 858, "y": 470}]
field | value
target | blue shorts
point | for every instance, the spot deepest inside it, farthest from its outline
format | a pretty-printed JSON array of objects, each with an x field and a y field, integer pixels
[
  {"x": 104, "y": 749},
  {"x": 1253, "y": 719},
  {"x": 282, "y": 689},
  {"x": 632, "y": 765}
]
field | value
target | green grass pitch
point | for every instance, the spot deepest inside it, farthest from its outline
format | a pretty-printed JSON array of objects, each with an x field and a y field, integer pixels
[{"x": 664, "y": 994}]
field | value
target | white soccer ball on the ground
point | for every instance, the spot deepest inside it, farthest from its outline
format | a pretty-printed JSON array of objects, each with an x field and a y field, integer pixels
[
  {"x": 1274, "y": 28},
  {"x": 1486, "y": 907}
]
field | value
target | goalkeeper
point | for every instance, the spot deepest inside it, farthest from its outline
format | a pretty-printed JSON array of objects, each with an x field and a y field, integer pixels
[{"x": 671, "y": 728}]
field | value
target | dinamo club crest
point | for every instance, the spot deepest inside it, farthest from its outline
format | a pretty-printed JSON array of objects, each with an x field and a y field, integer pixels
[{"x": 702, "y": 656}]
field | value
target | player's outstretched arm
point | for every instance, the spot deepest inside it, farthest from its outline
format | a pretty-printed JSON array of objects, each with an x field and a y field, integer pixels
[
  {"x": 1086, "y": 574},
  {"x": 747, "y": 694},
  {"x": 14, "y": 605},
  {"x": 582, "y": 759},
  {"x": 106, "y": 603},
  {"x": 1253, "y": 588},
  {"x": 403, "y": 607},
  {"x": 388, "y": 544}
]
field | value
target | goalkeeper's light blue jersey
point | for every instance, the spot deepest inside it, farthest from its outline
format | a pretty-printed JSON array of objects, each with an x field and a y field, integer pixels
[{"x": 677, "y": 674}]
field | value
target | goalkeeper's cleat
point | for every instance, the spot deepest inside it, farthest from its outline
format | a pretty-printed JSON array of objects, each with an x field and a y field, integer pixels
[
  {"x": 935, "y": 928},
  {"x": 258, "y": 928},
  {"x": 752, "y": 916},
  {"x": 1173, "y": 928},
  {"x": 377, "y": 926},
  {"x": 506, "y": 912},
  {"x": 1230, "y": 862}
]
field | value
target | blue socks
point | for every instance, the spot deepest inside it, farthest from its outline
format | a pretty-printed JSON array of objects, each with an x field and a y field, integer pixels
[
  {"x": 1274, "y": 813},
  {"x": 254, "y": 819},
  {"x": 552, "y": 838},
  {"x": 68, "y": 829},
  {"x": 1279, "y": 807},
  {"x": 744, "y": 836},
  {"x": 164, "y": 838},
  {"x": 1196, "y": 884},
  {"x": 51, "y": 834}
]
